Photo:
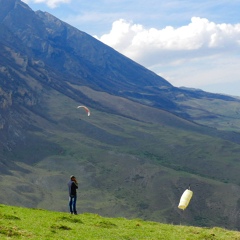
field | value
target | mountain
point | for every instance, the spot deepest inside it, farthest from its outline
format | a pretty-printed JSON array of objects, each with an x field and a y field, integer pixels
[{"x": 143, "y": 144}]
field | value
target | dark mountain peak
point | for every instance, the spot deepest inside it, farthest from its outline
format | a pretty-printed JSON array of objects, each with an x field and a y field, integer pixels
[
  {"x": 76, "y": 55},
  {"x": 22, "y": 22},
  {"x": 13, "y": 7},
  {"x": 6, "y": 6}
]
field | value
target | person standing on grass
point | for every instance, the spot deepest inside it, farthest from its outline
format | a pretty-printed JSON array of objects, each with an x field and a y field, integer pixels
[{"x": 72, "y": 187}]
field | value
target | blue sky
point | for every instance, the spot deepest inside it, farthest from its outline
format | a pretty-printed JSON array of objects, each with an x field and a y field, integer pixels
[{"x": 190, "y": 43}]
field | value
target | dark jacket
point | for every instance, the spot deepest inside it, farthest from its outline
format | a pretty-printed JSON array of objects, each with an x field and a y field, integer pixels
[{"x": 72, "y": 187}]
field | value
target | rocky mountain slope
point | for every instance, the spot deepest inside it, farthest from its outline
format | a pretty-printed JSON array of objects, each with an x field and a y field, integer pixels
[{"x": 143, "y": 144}]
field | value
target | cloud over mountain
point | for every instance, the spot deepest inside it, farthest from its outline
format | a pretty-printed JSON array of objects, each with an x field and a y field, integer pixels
[
  {"x": 138, "y": 42},
  {"x": 169, "y": 50}
]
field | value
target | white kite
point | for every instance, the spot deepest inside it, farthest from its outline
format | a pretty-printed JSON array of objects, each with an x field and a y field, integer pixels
[{"x": 185, "y": 199}]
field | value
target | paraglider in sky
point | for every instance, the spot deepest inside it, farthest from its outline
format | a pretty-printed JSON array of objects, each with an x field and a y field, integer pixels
[
  {"x": 185, "y": 199},
  {"x": 87, "y": 110}
]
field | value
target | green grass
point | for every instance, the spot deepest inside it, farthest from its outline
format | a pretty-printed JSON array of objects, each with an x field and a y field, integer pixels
[{"x": 26, "y": 223}]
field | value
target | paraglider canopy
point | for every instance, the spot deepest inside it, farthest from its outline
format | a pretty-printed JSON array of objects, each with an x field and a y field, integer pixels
[{"x": 86, "y": 109}]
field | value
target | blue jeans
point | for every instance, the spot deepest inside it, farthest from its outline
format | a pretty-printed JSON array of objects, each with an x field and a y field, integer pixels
[{"x": 72, "y": 204}]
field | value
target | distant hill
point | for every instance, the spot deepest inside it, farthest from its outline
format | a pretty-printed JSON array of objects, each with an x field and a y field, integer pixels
[{"x": 142, "y": 146}]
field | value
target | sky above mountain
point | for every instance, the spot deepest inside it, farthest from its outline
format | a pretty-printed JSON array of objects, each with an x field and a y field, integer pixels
[{"x": 190, "y": 43}]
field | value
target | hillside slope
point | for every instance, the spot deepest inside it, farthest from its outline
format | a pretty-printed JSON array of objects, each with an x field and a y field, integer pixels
[{"x": 39, "y": 224}]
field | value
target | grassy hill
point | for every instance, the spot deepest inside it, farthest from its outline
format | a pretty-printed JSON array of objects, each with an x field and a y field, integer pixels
[{"x": 26, "y": 223}]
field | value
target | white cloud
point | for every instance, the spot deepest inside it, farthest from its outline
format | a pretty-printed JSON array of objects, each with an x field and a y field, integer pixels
[
  {"x": 136, "y": 41},
  {"x": 50, "y": 3},
  {"x": 196, "y": 54}
]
